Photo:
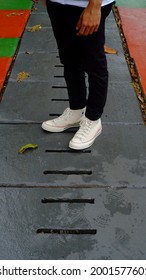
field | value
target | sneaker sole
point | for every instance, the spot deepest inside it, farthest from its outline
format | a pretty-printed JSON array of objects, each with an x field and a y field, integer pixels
[
  {"x": 75, "y": 146},
  {"x": 58, "y": 129}
]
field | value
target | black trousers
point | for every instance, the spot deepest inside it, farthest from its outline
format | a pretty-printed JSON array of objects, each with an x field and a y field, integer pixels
[{"x": 80, "y": 55}]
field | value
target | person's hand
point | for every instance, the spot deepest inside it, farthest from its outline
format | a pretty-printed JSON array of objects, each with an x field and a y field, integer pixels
[{"x": 89, "y": 21}]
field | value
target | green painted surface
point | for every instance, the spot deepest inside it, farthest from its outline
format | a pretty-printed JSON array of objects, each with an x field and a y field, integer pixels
[
  {"x": 131, "y": 3},
  {"x": 15, "y": 4},
  {"x": 8, "y": 46}
]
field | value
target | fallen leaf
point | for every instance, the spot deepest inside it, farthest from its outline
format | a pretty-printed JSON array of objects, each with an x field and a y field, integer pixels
[
  {"x": 27, "y": 52},
  {"x": 22, "y": 76},
  {"x": 35, "y": 28},
  {"x": 133, "y": 71},
  {"x": 14, "y": 14},
  {"x": 109, "y": 50},
  {"x": 35, "y": 9},
  {"x": 26, "y": 147}
]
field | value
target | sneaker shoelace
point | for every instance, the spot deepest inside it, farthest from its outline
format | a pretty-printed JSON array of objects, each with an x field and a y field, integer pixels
[{"x": 85, "y": 127}]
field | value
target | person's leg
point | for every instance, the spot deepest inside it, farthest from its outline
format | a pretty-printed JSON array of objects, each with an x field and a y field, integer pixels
[
  {"x": 98, "y": 86},
  {"x": 73, "y": 73},
  {"x": 64, "y": 19},
  {"x": 76, "y": 87},
  {"x": 79, "y": 54},
  {"x": 95, "y": 64}
]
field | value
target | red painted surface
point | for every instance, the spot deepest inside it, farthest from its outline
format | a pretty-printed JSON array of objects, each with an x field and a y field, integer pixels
[
  {"x": 12, "y": 23},
  {"x": 134, "y": 27},
  {"x": 5, "y": 63}
]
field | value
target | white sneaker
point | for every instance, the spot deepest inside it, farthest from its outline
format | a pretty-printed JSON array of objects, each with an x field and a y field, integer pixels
[
  {"x": 69, "y": 118},
  {"x": 86, "y": 134}
]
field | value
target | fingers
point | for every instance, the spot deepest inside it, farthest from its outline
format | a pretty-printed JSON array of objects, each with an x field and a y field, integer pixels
[
  {"x": 86, "y": 27},
  {"x": 85, "y": 31},
  {"x": 79, "y": 24},
  {"x": 88, "y": 22}
]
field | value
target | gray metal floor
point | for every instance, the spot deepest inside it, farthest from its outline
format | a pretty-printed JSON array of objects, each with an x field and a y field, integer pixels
[
  {"x": 99, "y": 208},
  {"x": 72, "y": 223}
]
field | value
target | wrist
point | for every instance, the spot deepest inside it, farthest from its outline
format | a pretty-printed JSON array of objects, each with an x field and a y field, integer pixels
[{"x": 95, "y": 4}]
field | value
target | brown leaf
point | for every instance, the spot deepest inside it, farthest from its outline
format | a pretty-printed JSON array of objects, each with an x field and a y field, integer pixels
[
  {"x": 35, "y": 28},
  {"x": 27, "y": 52},
  {"x": 34, "y": 9},
  {"x": 22, "y": 76},
  {"x": 109, "y": 50},
  {"x": 14, "y": 14}
]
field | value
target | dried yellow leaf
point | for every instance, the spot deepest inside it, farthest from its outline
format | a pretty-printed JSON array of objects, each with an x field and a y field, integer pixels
[
  {"x": 109, "y": 50},
  {"x": 22, "y": 76},
  {"x": 14, "y": 14},
  {"x": 35, "y": 28},
  {"x": 34, "y": 9}
]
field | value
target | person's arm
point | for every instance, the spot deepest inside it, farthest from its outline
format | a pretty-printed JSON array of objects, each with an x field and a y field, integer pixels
[{"x": 89, "y": 20}]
